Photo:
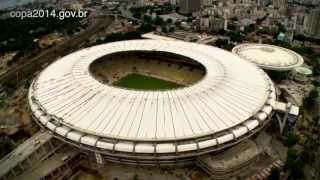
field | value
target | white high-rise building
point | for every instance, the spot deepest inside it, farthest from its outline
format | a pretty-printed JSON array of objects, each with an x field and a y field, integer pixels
[
  {"x": 206, "y": 3},
  {"x": 313, "y": 23},
  {"x": 189, "y": 6},
  {"x": 174, "y": 2}
]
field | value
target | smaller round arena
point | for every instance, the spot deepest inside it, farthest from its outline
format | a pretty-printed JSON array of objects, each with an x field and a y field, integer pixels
[{"x": 269, "y": 57}]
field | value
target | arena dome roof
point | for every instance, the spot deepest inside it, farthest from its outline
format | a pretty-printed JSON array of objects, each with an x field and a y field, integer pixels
[
  {"x": 269, "y": 56},
  {"x": 232, "y": 99}
]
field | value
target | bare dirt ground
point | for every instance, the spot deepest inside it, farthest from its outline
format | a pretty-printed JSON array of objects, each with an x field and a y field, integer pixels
[{"x": 112, "y": 171}]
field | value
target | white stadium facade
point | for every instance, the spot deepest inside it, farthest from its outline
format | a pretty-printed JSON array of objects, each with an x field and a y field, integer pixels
[{"x": 232, "y": 101}]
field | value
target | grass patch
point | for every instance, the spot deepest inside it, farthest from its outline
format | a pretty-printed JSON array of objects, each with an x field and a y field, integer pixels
[{"x": 141, "y": 82}]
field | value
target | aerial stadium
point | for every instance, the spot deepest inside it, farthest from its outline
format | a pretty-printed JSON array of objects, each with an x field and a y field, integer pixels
[
  {"x": 269, "y": 57},
  {"x": 192, "y": 100}
]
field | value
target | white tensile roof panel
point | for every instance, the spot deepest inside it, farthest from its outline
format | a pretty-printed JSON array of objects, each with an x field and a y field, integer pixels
[
  {"x": 231, "y": 92},
  {"x": 269, "y": 56}
]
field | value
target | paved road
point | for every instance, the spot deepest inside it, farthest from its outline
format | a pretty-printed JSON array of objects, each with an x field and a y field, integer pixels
[
  {"x": 31, "y": 65},
  {"x": 23, "y": 151},
  {"x": 49, "y": 166}
]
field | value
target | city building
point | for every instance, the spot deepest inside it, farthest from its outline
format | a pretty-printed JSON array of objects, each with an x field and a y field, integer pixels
[
  {"x": 175, "y": 17},
  {"x": 301, "y": 74},
  {"x": 174, "y": 2},
  {"x": 204, "y": 23},
  {"x": 208, "y": 3},
  {"x": 189, "y": 6},
  {"x": 313, "y": 23}
]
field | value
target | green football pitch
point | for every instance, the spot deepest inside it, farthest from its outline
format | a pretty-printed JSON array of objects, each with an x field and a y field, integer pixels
[{"x": 141, "y": 82}]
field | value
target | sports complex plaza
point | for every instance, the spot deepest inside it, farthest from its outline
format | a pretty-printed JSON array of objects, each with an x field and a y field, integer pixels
[{"x": 208, "y": 99}]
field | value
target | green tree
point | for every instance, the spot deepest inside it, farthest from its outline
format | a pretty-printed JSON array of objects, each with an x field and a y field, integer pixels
[
  {"x": 146, "y": 27},
  {"x": 169, "y": 21},
  {"x": 310, "y": 100},
  {"x": 19, "y": 34},
  {"x": 147, "y": 19},
  {"x": 5, "y": 146},
  {"x": 171, "y": 29},
  {"x": 294, "y": 164},
  {"x": 189, "y": 20},
  {"x": 292, "y": 139},
  {"x": 164, "y": 29},
  {"x": 292, "y": 156},
  {"x": 221, "y": 42},
  {"x": 235, "y": 36},
  {"x": 281, "y": 28},
  {"x": 316, "y": 119},
  {"x": 137, "y": 14},
  {"x": 136, "y": 177},
  {"x": 300, "y": 37},
  {"x": 274, "y": 174},
  {"x": 158, "y": 21},
  {"x": 178, "y": 24},
  {"x": 234, "y": 18},
  {"x": 296, "y": 171},
  {"x": 307, "y": 156},
  {"x": 249, "y": 28},
  {"x": 316, "y": 71}
]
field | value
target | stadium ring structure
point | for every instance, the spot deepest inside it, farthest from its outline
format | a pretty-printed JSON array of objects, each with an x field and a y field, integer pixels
[
  {"x": 268, "y": 56},
  {"x": 230, "y": 103}
]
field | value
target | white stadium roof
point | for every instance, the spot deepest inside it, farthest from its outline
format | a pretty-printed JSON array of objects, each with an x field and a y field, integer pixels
[
  {"x": 269, "y": 56},
  {"x": 232, "y": 99}
]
